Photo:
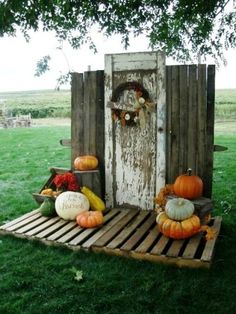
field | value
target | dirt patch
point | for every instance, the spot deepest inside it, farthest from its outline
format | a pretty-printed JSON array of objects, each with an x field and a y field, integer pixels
[
  {"x": 220, "y": 126},
  {"x": 51, "y": 121},
  {"x": 225, "y": 126}
]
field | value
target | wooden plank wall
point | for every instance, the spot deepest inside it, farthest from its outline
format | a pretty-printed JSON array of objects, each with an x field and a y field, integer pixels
[
  {"x": 87, "y": 119},
  {"x": 190, "y": 121},
  {"x": 210, "y": 117}
]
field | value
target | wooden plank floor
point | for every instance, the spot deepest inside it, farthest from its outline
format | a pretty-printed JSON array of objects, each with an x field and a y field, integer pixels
[{"x": 125, "y": 232}]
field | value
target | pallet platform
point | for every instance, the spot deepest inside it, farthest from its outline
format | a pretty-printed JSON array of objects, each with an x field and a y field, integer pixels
[{"x": 125, "y": 232}]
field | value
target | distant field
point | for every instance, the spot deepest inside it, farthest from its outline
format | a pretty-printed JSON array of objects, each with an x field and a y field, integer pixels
[
  {"x": 41, "y": 104},
  {"x": 52, "y": 103},
  {"x": 225, "y": 102}
]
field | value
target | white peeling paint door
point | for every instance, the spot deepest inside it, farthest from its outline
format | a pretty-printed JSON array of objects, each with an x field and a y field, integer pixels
[{"x": 134, "y": 128}]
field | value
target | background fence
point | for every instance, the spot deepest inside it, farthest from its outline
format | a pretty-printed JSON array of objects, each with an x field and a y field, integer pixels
[{"x": 190, "y": 97}]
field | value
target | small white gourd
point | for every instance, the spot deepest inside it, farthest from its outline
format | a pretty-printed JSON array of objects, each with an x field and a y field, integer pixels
[
  {"x": 179, "y": 209},
  {"x": 69, "y": 204}
]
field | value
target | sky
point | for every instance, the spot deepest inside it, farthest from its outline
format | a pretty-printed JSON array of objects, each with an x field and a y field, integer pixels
[{"x": 18, "y": 60}]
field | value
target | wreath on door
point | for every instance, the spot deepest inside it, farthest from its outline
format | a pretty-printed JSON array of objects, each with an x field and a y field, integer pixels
[{"x": 131, "y": 104}]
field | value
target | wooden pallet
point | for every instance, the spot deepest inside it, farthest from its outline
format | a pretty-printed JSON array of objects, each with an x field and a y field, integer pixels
[{"x": 125, "y": 232}]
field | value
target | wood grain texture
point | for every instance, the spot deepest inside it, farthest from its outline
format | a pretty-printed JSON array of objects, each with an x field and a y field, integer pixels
[
  {"x": 77, "y": 112},
  {"x": 210, "y": 129},
  {"x": 183, "y": 118},
  {"x": 135, "y": 156},
  {"x": 87, "y": 133},
  {"x": 175, "y": 121},
  {"x": 108, "y": 85},
  {"x": 192, "y": 119},
  {"x": 125, "y": 232},
  {"x": 161, "y": 123},
  {"x": 208, "y": 251},
  {"x": 169, "y": 175},
  {"x": 201, "y": 122},
  {"x": 190, "y": 122},
  {"x": 180, "y": 136}
]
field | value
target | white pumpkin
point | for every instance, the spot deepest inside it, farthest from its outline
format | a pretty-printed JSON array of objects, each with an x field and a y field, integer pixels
[
  {"x": 69, "y": 204},
  {"x": 179, "y": 209}
]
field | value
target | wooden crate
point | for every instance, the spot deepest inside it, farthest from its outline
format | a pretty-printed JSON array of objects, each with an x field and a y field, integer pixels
[
  {"x": 49, "y": 184},
  {"x": 203, "y": 206},
  {"x": 125, "y": 232},
  {"x": 89, "y": 178}
]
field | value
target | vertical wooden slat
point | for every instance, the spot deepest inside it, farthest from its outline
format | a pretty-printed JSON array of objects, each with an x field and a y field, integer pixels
[
  {"x": 192, "y": 118},
  {"x": 210, "y": 129},
  {"x": 183, "y": 117},
  {"x": 87, "y": 133},
  {"x": 175, "y": 125},
  {"x": 88, "y": 115},
  {"x": 90, "y": 122},
  {"x": 201, "y": 122},
  {"x": 100, "y": 131},
  {"x": 109, "y": 184},
  {"x": 168, "y": 123},
  {"x": 77, "y": 127},
  {"x": 161, "y": 123}
]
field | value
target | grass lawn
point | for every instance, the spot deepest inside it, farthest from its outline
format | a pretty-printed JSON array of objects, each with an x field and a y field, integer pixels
[{"x": 35, "y": 278}]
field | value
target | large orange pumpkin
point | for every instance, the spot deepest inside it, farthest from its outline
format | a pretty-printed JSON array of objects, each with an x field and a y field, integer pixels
[
  {"x": 178, "y": 229},
  {"x": 87, "y": 162},
  {"x": 90, "y": 219},
  {"x": 188, "y": 186}
]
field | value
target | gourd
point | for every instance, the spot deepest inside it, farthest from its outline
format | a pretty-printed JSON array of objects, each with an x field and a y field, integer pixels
[
  {"x": 47, "y": 192},
  {"x": 90, "y": 219},
  {"x": 179, "y": 208},
  {"x": 86, "y": 162},
  {"x": 96, "y": 203},
  {"x": 69, "y": 204},
  {"x": 178, "y": 229},
  {"x": 50, "y": 192},
  {"x": 188, "y": 186},
  {"x": 47, "y": 208}
]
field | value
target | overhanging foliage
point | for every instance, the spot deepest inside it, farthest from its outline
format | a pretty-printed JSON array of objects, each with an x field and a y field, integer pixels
[{"x": 183, "y": 28}]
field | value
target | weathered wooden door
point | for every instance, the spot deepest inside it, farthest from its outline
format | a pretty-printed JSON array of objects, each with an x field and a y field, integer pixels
[{"x": 135, "y": 118}]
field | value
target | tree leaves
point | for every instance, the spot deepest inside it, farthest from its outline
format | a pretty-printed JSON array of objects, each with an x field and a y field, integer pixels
[
  {"x": 182, "y": 28},
  {"x": 42, "y": 65}
]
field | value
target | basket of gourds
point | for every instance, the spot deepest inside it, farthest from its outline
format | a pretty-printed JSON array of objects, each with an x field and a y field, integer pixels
[
  {"x": 84, "y": 207},
  {"x": 60, "y": 180}
]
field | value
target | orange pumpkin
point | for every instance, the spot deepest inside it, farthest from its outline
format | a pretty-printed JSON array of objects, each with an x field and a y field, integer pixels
[
  {"x": 90, "y": 219},
  {"x": 87, "y": 162},
  {"x": 188, "y": 186},
  {"x": 178, "y": 229}
]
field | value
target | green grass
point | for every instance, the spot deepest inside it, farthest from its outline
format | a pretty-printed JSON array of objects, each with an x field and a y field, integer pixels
[
  {"x": 26, "y": 156},
  {"x": 35, "y": 278},
  {"x": 224, "y": 179}
]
